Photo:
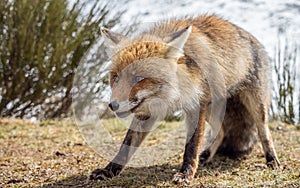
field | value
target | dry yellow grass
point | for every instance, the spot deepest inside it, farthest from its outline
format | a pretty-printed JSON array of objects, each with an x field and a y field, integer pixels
[{"x": 54, "y": 154}]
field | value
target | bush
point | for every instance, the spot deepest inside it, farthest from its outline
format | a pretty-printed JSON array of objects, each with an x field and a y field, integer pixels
[
  {"x": 41, "y": 45},
  {"x": 286, "y": 81}
]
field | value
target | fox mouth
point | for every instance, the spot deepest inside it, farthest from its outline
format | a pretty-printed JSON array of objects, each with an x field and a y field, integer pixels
[{"x": 124, "y": 114}]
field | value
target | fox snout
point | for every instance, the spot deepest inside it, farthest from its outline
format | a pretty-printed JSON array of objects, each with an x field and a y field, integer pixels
[
  {"x": 114, "y": 106},
  {"x": 123, "y": 108}
]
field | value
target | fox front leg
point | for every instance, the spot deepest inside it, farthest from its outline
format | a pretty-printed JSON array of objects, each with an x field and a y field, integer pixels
[
  {"x": 135, "y": 135},
  {"x": 195, "y": 126}
]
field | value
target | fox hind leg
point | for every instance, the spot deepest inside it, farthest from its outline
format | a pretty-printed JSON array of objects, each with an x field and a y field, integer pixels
[{"x": 258, "y": 108}]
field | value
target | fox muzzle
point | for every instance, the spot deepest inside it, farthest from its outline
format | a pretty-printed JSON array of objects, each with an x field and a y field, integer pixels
[{"x": 113, "y": 105}]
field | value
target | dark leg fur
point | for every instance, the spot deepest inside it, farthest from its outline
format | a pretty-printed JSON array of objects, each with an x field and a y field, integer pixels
[{"x": 111, "y": 170}]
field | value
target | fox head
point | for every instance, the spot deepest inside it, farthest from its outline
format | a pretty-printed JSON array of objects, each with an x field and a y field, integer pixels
[{"x": 143, "y": 73}]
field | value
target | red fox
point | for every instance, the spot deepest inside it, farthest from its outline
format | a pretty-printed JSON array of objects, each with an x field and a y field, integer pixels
[{"x": 177, "y": 62}]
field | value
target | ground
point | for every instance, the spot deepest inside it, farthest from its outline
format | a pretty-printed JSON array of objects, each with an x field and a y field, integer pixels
[{"x": 54, "y": 154}]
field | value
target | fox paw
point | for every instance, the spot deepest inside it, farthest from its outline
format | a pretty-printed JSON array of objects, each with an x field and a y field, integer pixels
[
  {"x": 101, "y": 174},
  {"x": 272, "y": 162},
  {"x": 204, "y": 156},
  {"x": 182, "y": 178}
]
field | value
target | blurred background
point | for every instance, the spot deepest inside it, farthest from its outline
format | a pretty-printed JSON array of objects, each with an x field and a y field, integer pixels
[{"x": 43, "y": 42}]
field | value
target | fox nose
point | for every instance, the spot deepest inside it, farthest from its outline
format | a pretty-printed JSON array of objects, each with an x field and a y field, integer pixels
[{"x": 113, "y": 106}]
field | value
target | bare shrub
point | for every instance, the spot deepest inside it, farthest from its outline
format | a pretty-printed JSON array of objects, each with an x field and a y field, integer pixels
[{"x": 41, "y": 45}]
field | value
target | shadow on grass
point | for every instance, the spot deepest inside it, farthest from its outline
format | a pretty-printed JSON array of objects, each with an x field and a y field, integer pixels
[{"x": 148, "y": 176}]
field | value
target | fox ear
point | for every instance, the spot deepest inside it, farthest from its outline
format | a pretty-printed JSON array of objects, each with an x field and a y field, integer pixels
[
  {"x": 177, "y": 42},
  {"x": 110, "y": 37}
]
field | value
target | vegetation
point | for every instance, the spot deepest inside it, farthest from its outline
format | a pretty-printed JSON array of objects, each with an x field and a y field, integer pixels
[
  {"x": 286, "y": 81},
  {"x": 42, "y": 43},
  {"x": 53, "y": 154}
]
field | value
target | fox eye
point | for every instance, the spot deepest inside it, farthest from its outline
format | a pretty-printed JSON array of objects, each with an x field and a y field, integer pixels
[
  {"x": 137, "y": 79},
  {"x": 115, "y": 78}
]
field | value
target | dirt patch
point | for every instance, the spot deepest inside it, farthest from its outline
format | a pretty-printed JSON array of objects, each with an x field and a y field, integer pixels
[{"x": 54, "y": 154}]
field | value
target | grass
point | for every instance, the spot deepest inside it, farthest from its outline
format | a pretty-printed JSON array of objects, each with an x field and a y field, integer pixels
[{"x": 54, "y": 154}]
